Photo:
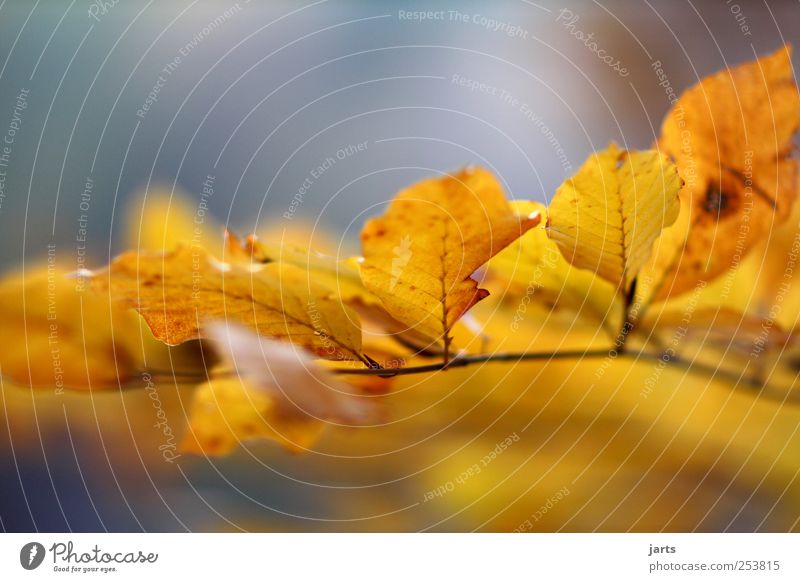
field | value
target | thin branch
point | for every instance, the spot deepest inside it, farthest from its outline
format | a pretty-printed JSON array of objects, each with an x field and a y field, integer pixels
[
  {"x": 461, "y": 361},
  {"x": 668, "y": 359},
  {"x": 517, "y": 357},
  {"x": 627, "y": 324}
]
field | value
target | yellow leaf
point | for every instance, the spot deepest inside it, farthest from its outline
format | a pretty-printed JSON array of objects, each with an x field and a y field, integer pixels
[
  {"x": 606, "y": 217},
  {"x": 420, "y": 255},
  {"x": 179, "y": 291},
  {"x": 268, "y": 389},
  {"x": 57, "y": 334},
  {"x": 731, "y": 137}
]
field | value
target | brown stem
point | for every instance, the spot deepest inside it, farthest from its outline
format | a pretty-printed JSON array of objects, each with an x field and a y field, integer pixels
[
  {"x": 461, "y": 361},
  {"x": 627, "y": 324},
  {"x": 516, "y": 357}
]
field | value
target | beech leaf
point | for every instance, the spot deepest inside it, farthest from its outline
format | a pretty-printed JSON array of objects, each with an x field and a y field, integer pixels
[
  {"x": 606, "y": 217},
  {"x": 420, "y": 255},
  {"x": 731, "y": 137},
  {"x": 179, "y": 291}
]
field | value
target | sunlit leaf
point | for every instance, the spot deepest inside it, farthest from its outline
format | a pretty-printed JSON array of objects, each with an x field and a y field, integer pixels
[
  {"x": 420, "y": 255},
  {"x": 606, "y": 217},
  {"x": 179, "y": 291}
]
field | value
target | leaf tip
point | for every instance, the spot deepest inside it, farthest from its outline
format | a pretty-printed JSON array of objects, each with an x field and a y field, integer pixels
[{"x": 533, "y": 219}]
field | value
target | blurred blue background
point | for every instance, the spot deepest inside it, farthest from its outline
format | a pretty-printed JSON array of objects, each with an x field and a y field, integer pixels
[{"x": 266, "y": 91}]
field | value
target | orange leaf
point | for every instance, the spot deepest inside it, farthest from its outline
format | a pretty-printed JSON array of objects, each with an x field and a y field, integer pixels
[
  {"x": 731, "y": 138},
  {"x": 179, "y": 291},
  {"x": 420, "y": 255}
]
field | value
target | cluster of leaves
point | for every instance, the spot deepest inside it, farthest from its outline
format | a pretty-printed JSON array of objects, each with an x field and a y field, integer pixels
[{"x": 304, "y": 340}]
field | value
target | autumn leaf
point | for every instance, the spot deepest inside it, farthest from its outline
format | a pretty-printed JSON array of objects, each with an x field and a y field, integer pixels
[
  {"x": 606, "y": 217},
  {"x": 420, "y": 255},
  {"x": 179, "y": 291},
  {"x": 268, "y": 389},
  {"x": 731, "y": 138},
  {"x": 58, "y": 334}
]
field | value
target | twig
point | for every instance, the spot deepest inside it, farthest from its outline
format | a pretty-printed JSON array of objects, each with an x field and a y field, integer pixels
[
  {"x": 516, "y": 357},
  {"x": 461, "y": 361},
  {"x": 627, "y": 325}
]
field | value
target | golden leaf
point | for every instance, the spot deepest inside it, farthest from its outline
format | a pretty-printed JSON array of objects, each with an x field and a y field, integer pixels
[
  {"x": 606, "y": 217},
  {"x": 731, "y": 137},
  {"x": 179, "y": 291},
  {"x": 420, "y": 255}
]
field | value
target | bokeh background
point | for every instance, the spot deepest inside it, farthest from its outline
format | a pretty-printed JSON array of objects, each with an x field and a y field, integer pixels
[{"x": 262, "y": 94}]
